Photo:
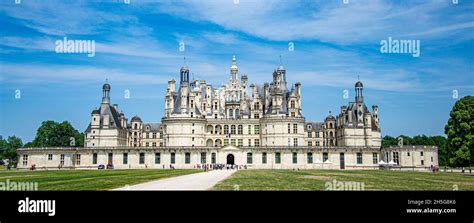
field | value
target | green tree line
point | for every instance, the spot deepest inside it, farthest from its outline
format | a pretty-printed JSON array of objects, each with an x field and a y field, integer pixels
[{"x": 49, "y": 134}]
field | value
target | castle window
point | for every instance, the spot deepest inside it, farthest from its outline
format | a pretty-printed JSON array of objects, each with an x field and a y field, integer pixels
[
  {"x": 375, "y": 158},
  {"x": 421, "y": 153},
  {"x": 142, "y": 158},
  {"x": 289, "y": 128},
  {"x": 309, "y": 134},
  {"x": 94, "y": 158},
  {"x": 192, "y": 114},
  {"x": 240, "y": 142},
  {"x": 359, "y": 158},
  {"x": 226, "y": 142},
  {"x": 295, "y": 142},
  {"x": 277, "y": 158},
  {"x": 256, "y": 106},
  {"x": 325, "y": 157},
  {"x": 203, "y": 158},
  {"x": 249, "y": 158},
  {"x": 154, "y": 135},
  {"x": 293, "y": 114},
  {"x": 295, "y": 128},
  {"x": 249, "y": 129},
  {"x": 135, "y": 126},
  {"x": 226, "y": 129},
  {"x": 257, "y": 142},
  {"x": 256, "y": 129},
  {"x": 264, "y": 158},
  {"x": 215, "y": 106},
  {"x": 395, "y": 158},
  {"x": 310, "y": 143},
  {"x": 157, "y": 158},
  {"x": 256, "y": 116},
  {"x": 61, "y": 160},
  {"x": 250, "y": 142},
  {"x": 330, "y": 125},
  {"x": 125, "y": 158},
  {"x": 25, "y": 160},
  {"x": 187, "y": 158},
  {"x": 147, "y": 144},
  {"x": 310, "y": 157},
  {"x": 295, "y": 158},
  {"x": 232, "y": 129},
  {"x": 173, "y": 158},
  {"x": 50, "y": 156},
  {"x": 232, "y": 142},
  {"x": 192, "y": 104},
  {"x": 317, "y": 143},
  {"x": 240, "y": 130},
  {"x": 213, "y": 158}
]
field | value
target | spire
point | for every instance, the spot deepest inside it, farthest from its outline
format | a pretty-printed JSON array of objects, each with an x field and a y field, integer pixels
[{"x": 233, "y": 69}]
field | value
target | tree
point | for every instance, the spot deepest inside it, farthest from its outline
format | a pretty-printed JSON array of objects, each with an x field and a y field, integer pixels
[
  {"x": 460, "y": 132},
  {"x": 52, "y": 133},
  {"x": 8, "y": 148}
]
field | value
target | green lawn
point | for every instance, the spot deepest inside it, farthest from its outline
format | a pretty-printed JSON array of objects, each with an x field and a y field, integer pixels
[
  {"x": 88, "y": 179},
  {"x": 3, "y": 168},
  {"x": 372, "y": 180}
]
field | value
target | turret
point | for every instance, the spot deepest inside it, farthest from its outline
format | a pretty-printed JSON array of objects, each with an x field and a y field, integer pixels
[
  {"x": 106, "y": 93},
  {"x": 358, "y": 89},
  {"x": 233, "y": 69}
]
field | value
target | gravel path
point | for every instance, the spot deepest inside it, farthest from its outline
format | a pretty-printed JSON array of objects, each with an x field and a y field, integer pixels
[{"x": 197, "y": 181}]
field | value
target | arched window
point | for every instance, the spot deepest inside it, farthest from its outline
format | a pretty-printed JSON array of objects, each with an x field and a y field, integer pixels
[
  {"x": 232, "y": 129},
  {"x": 292, "y": 104}
]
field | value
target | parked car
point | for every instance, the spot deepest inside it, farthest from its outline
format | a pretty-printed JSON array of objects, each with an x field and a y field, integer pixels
[
  {"x": 110, "y": 166},
  {"x": 101, "y": 167}
]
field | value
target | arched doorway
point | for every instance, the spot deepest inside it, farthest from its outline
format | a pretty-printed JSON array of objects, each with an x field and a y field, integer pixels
[{"x": 230, "y": 159}]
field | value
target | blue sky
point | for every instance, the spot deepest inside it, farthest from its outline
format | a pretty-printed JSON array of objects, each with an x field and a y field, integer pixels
[{"x": 137, "y": 49}]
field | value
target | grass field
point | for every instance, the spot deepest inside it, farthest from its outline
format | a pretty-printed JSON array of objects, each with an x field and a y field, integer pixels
[
  {"x": 88, "y": 179},
  {"x": 372, "y": 180}
]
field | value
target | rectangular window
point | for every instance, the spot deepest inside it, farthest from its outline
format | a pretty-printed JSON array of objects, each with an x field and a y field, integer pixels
[
  {"x": 295, "y": 142},
  {"x": 50, "y": 156},
  {"x": 295, "y": 158},
  {"x": 25, "y": 160},
  {"x": 277, "y": 158},
  {"x": 395, "y": 158},
  {"x": 264, "y": 158},
  {"x": 157, "y": 158},
  {"x": 310, "y": 157},
  {"x": 173, "y": 158},
  {"x": 250, "y": 142},
  {"x": 421, "y": 153},
  {"x": 359, "y": 158},
  {"x": 325, "y": 157},
  {"x": 125, "y": 158},
  {"x": 250, "y": 129},
  {"x": 213, "y": 158},
  {"x": 317, "y": 143},
  {"x": 94, "y": 158},
  {"x": 232, "y": 142},
  {"x": 187, "y": 158},
  {"x": 240, "y": 130},
  {"x": 203, "y": 158},
  {"x": 61, "y": 161},
  {"x": 256, "y": 129},
  {"x": 310, "y": 143},
  {"x": 111, "y": 158},
  {"x": 240, "y": 142},
  {"x": 142, "y": 158},
  {"x": 78, "y": 159},
  {"x": 257, "y": 142},
  {"x": 249, "y": 158},
  {"x": 226, "y": 142},
  {"x": 295, "y": 128},
  {"x": 422, "y": 162},
  {"x": 375, "y": 158},
  {"x": 289, "y": 128},
  {"x": 147, "y": 144}
]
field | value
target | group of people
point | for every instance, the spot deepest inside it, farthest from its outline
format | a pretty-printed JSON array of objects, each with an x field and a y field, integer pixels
[{"x": 220, "y": 166}]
